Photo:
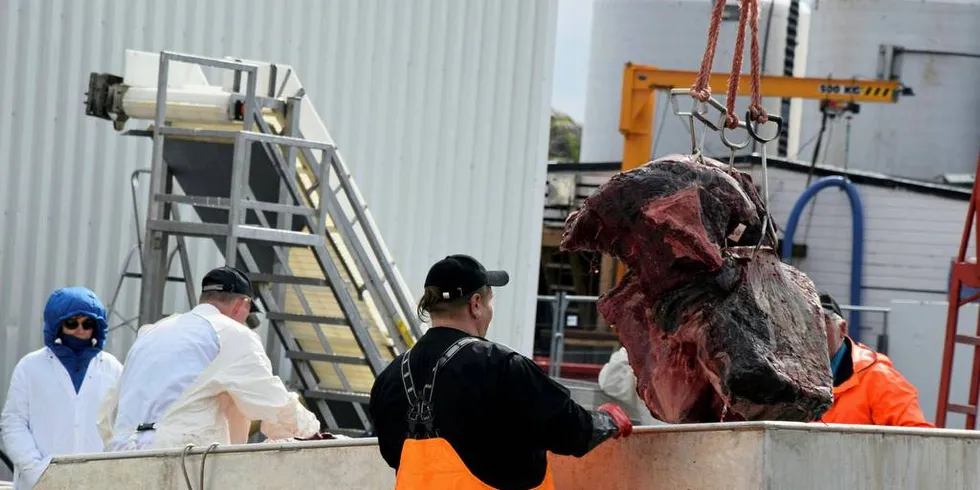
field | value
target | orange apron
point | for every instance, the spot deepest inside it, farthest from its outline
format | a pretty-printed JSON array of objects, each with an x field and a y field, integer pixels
[{"x": 428, "y": 461}]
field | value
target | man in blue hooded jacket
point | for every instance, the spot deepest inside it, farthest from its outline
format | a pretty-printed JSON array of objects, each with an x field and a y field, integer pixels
[{"x": 55, "y": 392}]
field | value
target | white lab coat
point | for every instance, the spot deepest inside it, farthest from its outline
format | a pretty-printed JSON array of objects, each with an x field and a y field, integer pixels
[
  {"x": 218, "y": 407},
  {"x": 44, "y": 417},
  {"x": 617, "y": 380}
]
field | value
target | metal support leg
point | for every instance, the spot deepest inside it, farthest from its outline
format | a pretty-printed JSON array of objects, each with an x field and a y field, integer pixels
[
  {"x": 111, "y": 307},
  {"x": 322, "y": 188},
  {"x": 284, "y": 220},
  {"x": 558, "y": 334},
  {"x": 278, "y": 294},
  {"x": 238, "y": 164},
  {"x": 292, "y": 130},
  {"x": 154, "y": 253},
  {"x": 185, "y": 264}
]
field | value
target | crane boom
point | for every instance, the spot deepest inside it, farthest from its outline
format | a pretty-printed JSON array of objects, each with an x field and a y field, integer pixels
[{"x": 641, "y": 81}]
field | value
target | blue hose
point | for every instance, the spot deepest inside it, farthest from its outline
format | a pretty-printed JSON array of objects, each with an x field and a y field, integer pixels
[{"x": 857, "y": 239}]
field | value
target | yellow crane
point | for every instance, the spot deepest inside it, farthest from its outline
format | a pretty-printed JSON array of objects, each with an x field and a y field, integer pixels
[{"x": 640, "y": 83}]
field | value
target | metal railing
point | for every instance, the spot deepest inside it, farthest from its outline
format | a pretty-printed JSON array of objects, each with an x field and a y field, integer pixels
[{"x": 559, "y": 320}]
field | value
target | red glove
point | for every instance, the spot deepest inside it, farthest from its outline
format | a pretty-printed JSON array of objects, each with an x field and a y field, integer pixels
[{"x": 619, "y": 417}]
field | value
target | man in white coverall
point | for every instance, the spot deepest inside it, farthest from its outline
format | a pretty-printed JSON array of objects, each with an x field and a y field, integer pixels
[
  {"x": 616, "y": 379},
  {"x": 54, "y": 396},
  {"x": 201, "y": 377}
]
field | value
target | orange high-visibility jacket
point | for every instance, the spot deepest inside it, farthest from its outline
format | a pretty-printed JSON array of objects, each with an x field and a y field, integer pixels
[{"x": 876, "y": 394}]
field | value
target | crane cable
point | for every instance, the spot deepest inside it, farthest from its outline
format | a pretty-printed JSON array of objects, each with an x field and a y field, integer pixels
[{"x": 701, "y": 90}]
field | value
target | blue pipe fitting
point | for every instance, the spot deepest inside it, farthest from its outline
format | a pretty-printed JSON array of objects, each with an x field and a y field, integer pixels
[{"x": 857, "y": 239}]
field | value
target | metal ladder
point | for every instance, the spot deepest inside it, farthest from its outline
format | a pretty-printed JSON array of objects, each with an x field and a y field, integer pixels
[
  {"x": 965, "y": 274},
  {"x": 341, "y": 410},
  {"x": 137, "y": 251}
]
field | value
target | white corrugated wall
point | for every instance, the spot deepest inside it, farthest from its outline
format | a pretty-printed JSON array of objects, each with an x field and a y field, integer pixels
[{"x": 440, "y": 108}]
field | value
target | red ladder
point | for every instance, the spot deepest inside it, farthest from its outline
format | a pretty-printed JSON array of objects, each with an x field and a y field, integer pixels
[{"x": 965, "y": 274}]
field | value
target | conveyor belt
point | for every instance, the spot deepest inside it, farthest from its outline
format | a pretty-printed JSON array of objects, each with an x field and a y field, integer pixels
[
  {"x": 202, "y": 167},
  {"x": 328, "y": 285}
]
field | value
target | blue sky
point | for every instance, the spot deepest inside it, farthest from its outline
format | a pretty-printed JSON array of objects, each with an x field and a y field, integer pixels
[{"x": 572, "y": 57}]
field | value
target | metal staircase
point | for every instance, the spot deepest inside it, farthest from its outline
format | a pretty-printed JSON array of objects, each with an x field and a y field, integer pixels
[{"x": 271, "y": 190}]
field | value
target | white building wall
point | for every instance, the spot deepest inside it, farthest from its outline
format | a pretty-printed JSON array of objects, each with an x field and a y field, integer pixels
[
  {"x": 938, "y": 130},
  {"x": 910, "y": 239},
  {"x": 440, "y": 107}
]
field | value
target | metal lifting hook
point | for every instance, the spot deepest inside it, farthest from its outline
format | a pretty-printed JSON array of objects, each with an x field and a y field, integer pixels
[
  {"x": 699, "y": 111},
  {"x": 695, "y": 109},
  {"x": 733, "y": 147},
  {"x": 752, "y": 132},
  {"x": 767, "y": 225},
  {"x": 707, "y": 122}
]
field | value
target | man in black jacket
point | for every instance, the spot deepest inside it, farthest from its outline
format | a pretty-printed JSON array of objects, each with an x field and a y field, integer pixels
[{"x": 499, "y": 412}]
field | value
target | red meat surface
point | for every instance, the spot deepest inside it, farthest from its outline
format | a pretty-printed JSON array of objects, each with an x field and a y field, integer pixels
[{"x": 715, "y": 328}]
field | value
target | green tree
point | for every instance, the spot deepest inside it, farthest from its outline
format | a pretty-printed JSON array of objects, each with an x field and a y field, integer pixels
[{"x": 566, "y": 138}]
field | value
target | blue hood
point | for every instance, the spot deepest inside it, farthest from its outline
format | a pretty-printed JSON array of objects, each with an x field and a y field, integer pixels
[{"x": 65, "y": 303}]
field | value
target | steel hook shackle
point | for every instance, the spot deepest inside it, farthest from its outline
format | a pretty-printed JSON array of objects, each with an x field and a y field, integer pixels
[
  {"x": 752, "y": 133},
  {"x": 735, "y": 146}
]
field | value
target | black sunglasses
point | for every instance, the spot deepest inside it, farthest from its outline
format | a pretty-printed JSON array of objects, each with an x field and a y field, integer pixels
[{"x": 71, "y": 324}]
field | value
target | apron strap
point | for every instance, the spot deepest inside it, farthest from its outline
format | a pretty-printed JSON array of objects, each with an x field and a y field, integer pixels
[
  {"x": 446, "y": 357},
  {"x": 420, "y": 411},
  {"x": 409, "y": 386}
]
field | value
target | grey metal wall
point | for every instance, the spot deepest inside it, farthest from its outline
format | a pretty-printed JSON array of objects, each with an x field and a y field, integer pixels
[
  {"x": 916, "y": 348},
  {"x": 440, "y": 108},
  {"x": 672, "y": 35},
  {"x": 935, "y": 132}
]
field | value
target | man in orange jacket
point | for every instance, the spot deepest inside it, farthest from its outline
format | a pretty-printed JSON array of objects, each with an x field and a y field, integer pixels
[{"x": 868, "y": 390}]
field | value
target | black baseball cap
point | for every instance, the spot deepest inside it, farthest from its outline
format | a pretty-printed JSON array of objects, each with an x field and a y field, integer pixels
[
  {"x": 828, "y": 303},
  {"x": 229, "y": 280},
  {"x": 459, "y": 275}
]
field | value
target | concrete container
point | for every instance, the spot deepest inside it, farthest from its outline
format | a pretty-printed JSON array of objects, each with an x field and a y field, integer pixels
[{"x": 752, "y": 455}]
